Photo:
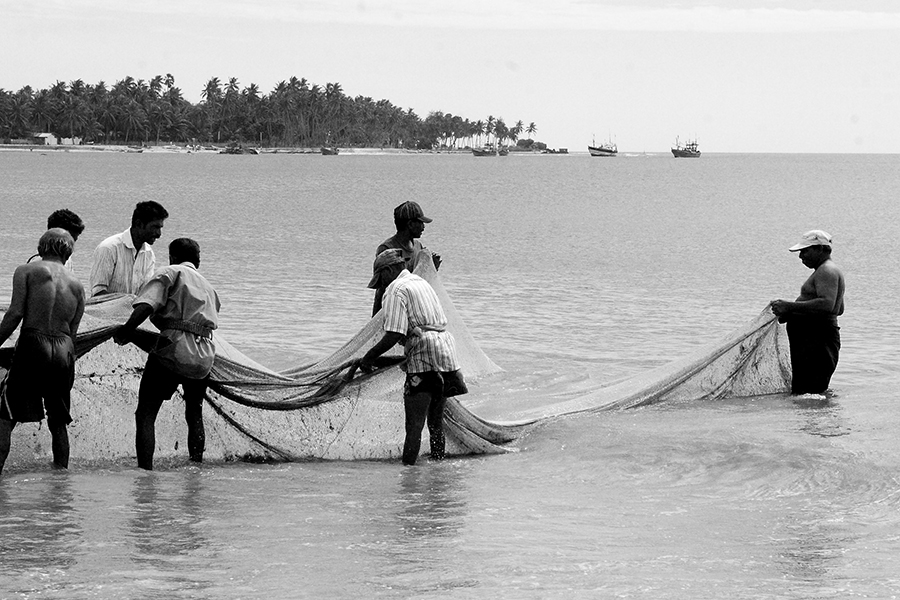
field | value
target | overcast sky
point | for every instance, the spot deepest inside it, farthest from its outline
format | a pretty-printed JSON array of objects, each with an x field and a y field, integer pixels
[{"x": 755, "y": 76}]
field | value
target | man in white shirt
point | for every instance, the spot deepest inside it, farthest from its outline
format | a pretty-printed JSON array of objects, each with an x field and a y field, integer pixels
[{"x": 125, "y": 262}]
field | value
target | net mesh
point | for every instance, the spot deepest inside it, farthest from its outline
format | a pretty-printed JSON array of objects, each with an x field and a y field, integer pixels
[{"x": 330, "y": 410}]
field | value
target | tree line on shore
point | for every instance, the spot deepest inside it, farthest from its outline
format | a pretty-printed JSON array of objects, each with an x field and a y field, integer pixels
[{"x": 294, "y": 114}]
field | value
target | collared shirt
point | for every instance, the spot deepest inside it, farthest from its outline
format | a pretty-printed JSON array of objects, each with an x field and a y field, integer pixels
[
  {"x": 118, "y": 267},
  {"x": 178, "y": 294},
  {"x": 412, "y": 308}
]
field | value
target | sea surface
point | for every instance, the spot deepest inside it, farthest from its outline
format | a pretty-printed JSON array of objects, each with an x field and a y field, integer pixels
[{"x": 571, "y": 272}]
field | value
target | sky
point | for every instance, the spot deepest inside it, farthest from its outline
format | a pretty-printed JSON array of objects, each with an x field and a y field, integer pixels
[{"x": 739, "y": 76}]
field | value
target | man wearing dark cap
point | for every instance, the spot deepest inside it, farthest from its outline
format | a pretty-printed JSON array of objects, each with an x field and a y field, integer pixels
[
  {"x": 414, "y": 317},
  {"x": 811, "y": 319},
  {"x": 49, "y": 302},
  {"x": 409, "y": 220}
]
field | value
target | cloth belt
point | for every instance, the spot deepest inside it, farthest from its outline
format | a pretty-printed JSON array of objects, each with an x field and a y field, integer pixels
[
  {"x": 190, "y": 327},
  {"x": 418, "y": 331}
]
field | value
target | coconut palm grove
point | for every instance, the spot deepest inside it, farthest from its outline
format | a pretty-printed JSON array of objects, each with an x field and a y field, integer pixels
[{"x": 294, "y": 114}]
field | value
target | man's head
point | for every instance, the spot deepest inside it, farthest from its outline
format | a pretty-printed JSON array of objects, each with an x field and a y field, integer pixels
[
  {"x": 184, "y": 250},
  {"x": 147, "y": 222},
  {"x": 66, "y": 219},
  {"x": 56, "y": 242},
  {"x": 387, "y": 266},
  {"x": 410, "y": 215},
  {"x": 814, "y": 248}
]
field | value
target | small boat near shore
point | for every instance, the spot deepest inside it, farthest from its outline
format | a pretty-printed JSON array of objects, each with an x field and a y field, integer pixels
[
  {"x": 488, "y": 150},
  {"x": 687, "y": 150},
  {"x": 607, "y": 149},
  {"x": 238, "y": 149},
  {"x": 332, "y": 151}
]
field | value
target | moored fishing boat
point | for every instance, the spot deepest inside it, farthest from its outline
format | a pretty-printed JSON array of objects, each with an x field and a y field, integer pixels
[
  {"x": 687, "y": 150},
  {"x": 607, "y": 149},
  {"x": 486, "y": 150},
  {"x": 330, "y": 150}
]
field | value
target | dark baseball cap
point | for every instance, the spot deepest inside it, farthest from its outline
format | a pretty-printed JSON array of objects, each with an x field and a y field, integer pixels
[{"x": 409, "y": 211}]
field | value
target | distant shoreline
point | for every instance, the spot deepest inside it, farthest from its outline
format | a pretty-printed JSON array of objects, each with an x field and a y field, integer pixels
[{"x": 209, "y": 149}]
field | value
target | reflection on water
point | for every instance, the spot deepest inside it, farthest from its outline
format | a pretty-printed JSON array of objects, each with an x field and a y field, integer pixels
[
  {"x": 431, "y": 501},
  {"x": 821, "y": 416},
  {"x": 426, "y": 549},
  {"x": 165, "y": 533},
  {"x": 165, "y": 517},
  {"x": 40, "y": 533}
]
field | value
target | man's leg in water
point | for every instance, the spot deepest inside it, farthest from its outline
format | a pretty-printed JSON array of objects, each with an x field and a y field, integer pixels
[
  {"x": 59, "y": 433},
  {"x": 416, "y": 408},
  {"x": 6, "y": 427},
  {"x": 194, "y": 393},
  {"x": 436, "y": 426}
]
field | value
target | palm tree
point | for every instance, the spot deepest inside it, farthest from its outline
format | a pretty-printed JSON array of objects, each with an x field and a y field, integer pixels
[
  {"x": 134, "y": 119},
  {"x": 531, "y": 129},
  {"x": 43, "y": 109},
  {"x": 212, "y": 93}
]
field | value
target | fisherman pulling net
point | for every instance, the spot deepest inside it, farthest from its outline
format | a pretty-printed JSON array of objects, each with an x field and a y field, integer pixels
[{"x": 331, "y": 410}]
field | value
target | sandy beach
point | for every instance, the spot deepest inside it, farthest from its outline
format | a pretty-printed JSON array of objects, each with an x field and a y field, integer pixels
[{"x": 209, "y": 149}]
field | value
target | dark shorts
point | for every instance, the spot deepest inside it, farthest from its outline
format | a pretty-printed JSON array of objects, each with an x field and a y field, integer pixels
[
  {"x": 815, "y": 348},
  {"x": 41, "y": 377},
  {"x": 159, "y": 382},
  {"x": 446, "y": 384}
]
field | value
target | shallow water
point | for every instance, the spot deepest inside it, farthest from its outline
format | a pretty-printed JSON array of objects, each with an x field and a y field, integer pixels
[{"x": 571, "y": 272}]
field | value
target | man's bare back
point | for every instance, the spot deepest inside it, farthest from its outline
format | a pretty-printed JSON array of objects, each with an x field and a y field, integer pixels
[
  {"x": 46, "y": 298},
  {"x": 55, "y": 298}
]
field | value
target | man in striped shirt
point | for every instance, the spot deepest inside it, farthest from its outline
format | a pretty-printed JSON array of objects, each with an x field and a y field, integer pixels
[
  {"x": 414, "y": 317},
  {"x": 125, "y": 262}
]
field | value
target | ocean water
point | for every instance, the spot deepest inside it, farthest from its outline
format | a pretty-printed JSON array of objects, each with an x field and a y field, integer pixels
[{"x": 572, "y": 272}]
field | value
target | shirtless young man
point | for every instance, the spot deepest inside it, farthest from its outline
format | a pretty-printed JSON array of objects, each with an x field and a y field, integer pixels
[
  {"x": 410, "y": 223},
  {"x": 49, "y": 302},
  {"x": 811, "y": 319}
]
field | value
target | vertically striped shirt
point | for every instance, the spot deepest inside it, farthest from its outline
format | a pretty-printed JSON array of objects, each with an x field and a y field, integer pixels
[
  {"x": 118, "y": 267},
  {"x": 412, "y": 308}
]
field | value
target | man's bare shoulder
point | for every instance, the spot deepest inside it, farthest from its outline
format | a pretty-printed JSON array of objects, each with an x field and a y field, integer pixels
[
  {"x": 45, "y": 270},
  {"x": 829, "y": 269}
]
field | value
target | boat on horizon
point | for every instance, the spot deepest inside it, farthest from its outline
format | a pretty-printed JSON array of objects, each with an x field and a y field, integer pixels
[
  {"x": 607, "y": 149},
  {"x": 687, "y": 150}
]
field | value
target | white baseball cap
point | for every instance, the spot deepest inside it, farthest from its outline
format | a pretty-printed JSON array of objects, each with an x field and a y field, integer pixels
[{"x": 816, "y": 237}]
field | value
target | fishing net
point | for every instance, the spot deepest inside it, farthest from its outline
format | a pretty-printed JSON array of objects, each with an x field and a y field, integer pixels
[{"x": 330, "y": 410}]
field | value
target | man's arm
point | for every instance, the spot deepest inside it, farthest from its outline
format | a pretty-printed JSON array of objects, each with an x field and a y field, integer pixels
[
  {"x": 79, "y": 312},
  {"x": 16, "y": 311},
  {"x": 388, "y": 341},
  {"x": 140, "y": 314},
  {"x": 827, "y": 281}
]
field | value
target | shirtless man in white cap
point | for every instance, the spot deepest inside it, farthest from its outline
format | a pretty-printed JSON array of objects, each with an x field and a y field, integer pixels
[{"x": 812, "y": 318}]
